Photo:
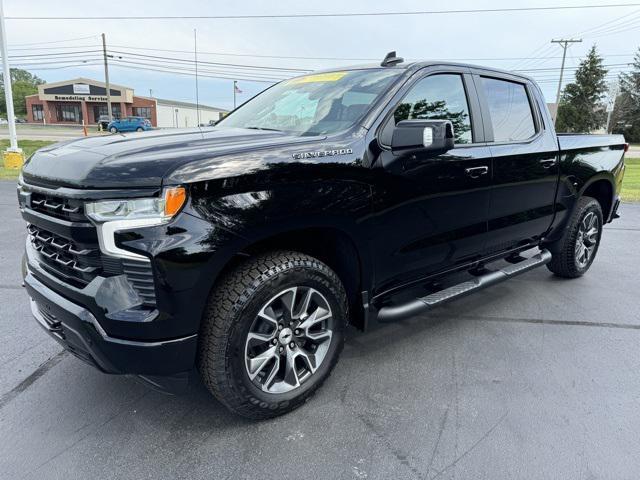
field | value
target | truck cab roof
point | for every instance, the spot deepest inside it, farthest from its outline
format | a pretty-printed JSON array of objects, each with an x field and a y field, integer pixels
[{"x": 412, "y": 67}]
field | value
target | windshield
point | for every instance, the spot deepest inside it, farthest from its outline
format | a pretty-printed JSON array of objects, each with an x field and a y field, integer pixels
[{"x": 314, "y": 104}]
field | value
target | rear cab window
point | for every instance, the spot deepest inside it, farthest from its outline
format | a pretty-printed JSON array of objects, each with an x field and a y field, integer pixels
[{"x": 511, "y": 116}]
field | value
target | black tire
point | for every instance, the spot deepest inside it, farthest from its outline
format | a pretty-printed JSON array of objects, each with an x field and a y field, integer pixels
[
  {"x": 233, "y": 306},
  {"x": 139, "y": 129},
  {"x": 564, "y": 261},
  {"x": 113, "y": 130}
]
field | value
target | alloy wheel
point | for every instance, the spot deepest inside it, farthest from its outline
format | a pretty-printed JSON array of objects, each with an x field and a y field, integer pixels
[
  {"x": 288, "y": 340},
  {"x": 587, "y": 239}
]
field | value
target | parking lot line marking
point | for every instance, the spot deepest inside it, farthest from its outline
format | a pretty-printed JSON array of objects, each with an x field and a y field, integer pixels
[
  {"x": 31, "y": 379},
  {"x": 571, "y": 323}
]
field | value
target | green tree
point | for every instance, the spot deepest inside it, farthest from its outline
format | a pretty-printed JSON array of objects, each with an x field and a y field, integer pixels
[
  {"x": 437, "y": 110},
  {"x": 23, "y": 83},
  {"x": 581, "y": 106},
  {"x": 625, "y": 117}
]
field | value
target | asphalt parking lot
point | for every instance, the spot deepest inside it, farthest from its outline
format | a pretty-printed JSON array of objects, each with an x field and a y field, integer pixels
[{"x": 534, "y": 378}]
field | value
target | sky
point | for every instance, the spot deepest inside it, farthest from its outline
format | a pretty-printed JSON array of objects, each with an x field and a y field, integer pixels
[{"x": 499, "y": 39}]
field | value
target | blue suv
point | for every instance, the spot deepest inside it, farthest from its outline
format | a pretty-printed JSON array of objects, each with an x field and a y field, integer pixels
[{"x": 129, "y": 124}]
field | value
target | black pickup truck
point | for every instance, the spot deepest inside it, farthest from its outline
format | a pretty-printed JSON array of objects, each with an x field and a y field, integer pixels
[{"x": 360, "y": 195}]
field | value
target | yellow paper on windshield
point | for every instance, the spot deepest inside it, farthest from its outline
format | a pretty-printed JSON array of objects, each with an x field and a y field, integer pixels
[{"x": 319, "y": 77}]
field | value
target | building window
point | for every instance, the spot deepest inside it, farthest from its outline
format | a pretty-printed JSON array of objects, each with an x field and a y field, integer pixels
[
  {"x": 142, "y": 112},
  {"x": 68, "y": 112},
  {"x": 99, "y": 110},
  {"x": 38, "y": 113}
]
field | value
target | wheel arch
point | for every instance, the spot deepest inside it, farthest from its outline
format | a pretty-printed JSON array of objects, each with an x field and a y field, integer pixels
[
  {"x": 601, "y": 187},
  {"x": 333, "y": 246}
]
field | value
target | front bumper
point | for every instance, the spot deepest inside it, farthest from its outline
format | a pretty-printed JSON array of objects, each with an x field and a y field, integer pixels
[{"x": 78, "y": 331}]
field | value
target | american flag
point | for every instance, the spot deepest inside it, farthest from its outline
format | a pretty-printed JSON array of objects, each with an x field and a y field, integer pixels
[{"x": 236, "y": 88}]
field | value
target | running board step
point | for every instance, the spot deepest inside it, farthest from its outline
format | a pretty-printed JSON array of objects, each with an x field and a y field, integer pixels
[{"x": 414, "y": 307}]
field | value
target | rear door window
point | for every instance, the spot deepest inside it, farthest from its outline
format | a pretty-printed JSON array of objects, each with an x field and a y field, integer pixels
[{"x": 509, "y": 109}]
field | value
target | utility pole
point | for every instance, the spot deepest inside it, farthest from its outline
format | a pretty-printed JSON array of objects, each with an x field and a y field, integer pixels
[
  {"x": 195, "y": 57},
  {"x": 235, "y": 87},
  {"x": 106, "y": 77},
  {"x": 564, "y": 44},
  {"x": 614, "y": 90},
  {"x": 8, "y": 94}
]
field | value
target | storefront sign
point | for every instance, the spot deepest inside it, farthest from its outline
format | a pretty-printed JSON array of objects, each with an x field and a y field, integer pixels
[
  {"x": 80, "y": 98},
  {"x": 81, "y": 88}
]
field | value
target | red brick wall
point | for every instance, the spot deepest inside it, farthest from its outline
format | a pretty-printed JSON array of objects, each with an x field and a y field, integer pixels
[
  {"x": 146, "y": 102},
  {"x": 49, "y": 109},
  {"x": 29, "y": 102}
]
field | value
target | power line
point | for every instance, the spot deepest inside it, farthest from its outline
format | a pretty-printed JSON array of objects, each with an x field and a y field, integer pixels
[
  {"x": 55, "y": 62},
  {"x": 52, "y": 41},
  {"x": 190, "y": 69},
  {"x": 567, "y": 68},
  {"x": 61, "y": 67},
  {"x": 244, "y": 69},
  {"x": 612, "y": 25},
  {"x": 235, "y": 65},
  {"x": 117, "y": 64},
  {"x": 83, "y": 52},
  {"x": 235, "y": 77},
  {"x": 625, "y": 28},
  {"x": 602, "y": 26},
  {"x": 54, "y": 48},
  {"x": 331, "y": 15},
  {"x": 354, "y": 59}
]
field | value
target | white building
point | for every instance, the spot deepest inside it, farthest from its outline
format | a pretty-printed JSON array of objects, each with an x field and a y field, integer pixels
[{"x": 173, "y": 114}]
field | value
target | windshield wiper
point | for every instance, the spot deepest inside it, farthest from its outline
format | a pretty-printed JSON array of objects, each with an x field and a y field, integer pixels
[{"x": 263, "y": 128}]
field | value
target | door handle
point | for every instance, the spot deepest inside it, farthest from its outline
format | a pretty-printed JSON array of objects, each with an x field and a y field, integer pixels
[
  {"x": 548, "y": 163},
  {"x": 476, "y": 172}
]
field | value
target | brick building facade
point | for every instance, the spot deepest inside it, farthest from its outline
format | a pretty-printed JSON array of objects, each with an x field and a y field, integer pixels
[{"x": 84, "y": 100}]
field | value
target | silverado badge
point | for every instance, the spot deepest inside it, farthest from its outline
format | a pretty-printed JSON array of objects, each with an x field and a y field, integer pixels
[{"x": 322, "y": 153}]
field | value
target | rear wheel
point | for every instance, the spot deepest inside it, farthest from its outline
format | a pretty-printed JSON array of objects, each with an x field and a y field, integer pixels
[
  {"x": 139, "y": 129},
  {"x": 574, "y": 253},
  {"x": 272, "y": 333},
  {"x": 113, "y": 130}
]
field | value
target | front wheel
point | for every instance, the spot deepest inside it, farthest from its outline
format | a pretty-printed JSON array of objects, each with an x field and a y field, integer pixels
[
  {"x": 574, "y": 253},
  {"x": 272, "y": 333},
  {"x": 139, "y": 129}
]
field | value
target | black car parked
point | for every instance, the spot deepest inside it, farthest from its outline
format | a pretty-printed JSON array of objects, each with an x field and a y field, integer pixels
[
  {"x": 349, "y": 196},
  {"x": 103, "y": 123}
]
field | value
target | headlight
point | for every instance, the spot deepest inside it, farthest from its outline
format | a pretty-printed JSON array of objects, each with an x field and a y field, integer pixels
[
  {"x": 112, "y": 216},
  {"x": 161, "y": 208}
]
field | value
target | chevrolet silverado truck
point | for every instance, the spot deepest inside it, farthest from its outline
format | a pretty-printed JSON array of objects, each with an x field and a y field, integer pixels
[{"x": 345, "y": 197}]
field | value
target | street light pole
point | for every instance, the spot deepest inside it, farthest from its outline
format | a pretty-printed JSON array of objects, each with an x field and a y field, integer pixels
[
  {"x": 106, "y": 77},
  {"x": 8, "y": 94}
]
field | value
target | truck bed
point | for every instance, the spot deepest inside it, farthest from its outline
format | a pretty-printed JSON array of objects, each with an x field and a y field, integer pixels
[{"x": 577, "y": 141}]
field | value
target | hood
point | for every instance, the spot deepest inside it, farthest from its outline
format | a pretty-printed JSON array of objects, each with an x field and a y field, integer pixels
[{"x": 143, "y": 159}]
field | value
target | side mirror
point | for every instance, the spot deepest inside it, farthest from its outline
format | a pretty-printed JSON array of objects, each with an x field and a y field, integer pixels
[{"x": 433, "y": 136}]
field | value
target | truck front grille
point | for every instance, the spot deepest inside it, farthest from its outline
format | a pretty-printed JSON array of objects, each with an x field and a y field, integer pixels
[
  {"x": 58, "y": 207},
  {"x": 78, "y": 264},
  {"x": 67, "y": 245}
]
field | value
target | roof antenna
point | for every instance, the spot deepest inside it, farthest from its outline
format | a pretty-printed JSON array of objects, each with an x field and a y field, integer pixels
[{"x": 391, "y": 59}]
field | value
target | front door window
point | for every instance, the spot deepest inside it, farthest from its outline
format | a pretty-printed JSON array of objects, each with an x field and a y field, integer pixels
[{"x": 437, "y": 97}]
